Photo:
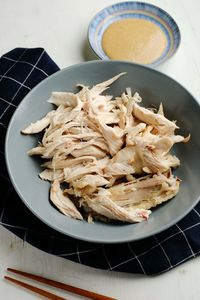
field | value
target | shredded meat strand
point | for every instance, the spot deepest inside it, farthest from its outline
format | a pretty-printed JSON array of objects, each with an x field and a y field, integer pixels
[{"x": 113, "y": 154}]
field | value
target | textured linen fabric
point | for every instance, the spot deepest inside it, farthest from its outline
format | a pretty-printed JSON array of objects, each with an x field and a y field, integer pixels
[{"x": 20, "y": 70}]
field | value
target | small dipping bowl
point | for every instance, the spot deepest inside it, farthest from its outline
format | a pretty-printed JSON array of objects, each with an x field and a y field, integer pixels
[{"x": 134, "y": 31}]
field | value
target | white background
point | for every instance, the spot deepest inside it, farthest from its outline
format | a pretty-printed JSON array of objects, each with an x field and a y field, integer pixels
[{"x": 61, "y": 28}]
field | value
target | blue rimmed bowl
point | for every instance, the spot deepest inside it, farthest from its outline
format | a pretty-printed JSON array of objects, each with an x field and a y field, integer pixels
[{"x": 134, "y": 10}]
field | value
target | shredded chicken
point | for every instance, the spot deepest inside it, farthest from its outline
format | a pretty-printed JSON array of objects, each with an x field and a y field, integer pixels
[
  {"x": 64, "y": 204},
  {"x": 145, "y": 192},
  {"x": 112, "y": 153}
]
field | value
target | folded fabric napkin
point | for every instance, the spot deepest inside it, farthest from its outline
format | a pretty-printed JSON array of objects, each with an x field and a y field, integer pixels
[{"x": 20, "y": 70}]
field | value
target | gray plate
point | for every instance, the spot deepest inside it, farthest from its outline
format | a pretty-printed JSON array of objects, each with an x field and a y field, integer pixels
[{"x": 154, "y": 87}]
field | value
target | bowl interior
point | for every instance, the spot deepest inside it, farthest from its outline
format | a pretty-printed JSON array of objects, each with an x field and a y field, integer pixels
[
  {"x": 154, "y": 87},
  {"x": 136, "y": 10}
]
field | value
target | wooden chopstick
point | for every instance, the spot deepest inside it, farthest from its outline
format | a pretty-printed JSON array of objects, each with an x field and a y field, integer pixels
[
  {"x": 62, "y": 286},
  {"x": 35, "y": 289}
]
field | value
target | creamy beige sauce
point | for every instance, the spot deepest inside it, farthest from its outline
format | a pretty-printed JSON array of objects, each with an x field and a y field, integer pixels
[{"x": 135, "y": 40}]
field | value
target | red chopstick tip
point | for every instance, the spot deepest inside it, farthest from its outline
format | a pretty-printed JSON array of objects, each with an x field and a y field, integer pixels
[
  {"x": 7, "y": 277},
  {"x": 11, "y": 270}
]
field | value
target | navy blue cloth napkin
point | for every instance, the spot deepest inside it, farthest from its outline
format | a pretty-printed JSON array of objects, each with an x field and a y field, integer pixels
[{"x": 20, "y": 70}]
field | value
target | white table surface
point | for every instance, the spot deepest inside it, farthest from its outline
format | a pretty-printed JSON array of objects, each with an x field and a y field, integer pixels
[{"x": 60, "y": 27}]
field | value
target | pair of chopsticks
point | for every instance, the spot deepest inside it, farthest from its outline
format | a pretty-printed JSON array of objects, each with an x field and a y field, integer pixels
[{"x": 56, "y": 284}]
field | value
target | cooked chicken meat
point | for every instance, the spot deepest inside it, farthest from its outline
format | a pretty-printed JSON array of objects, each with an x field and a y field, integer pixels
[
  {"x": 112, "y": 153},
  {"x": 62, "y": 202},
  {"x": 145, "y": 192},
  {"x": 39, "y": 125},
  {"x": 103, "y": 205}
]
